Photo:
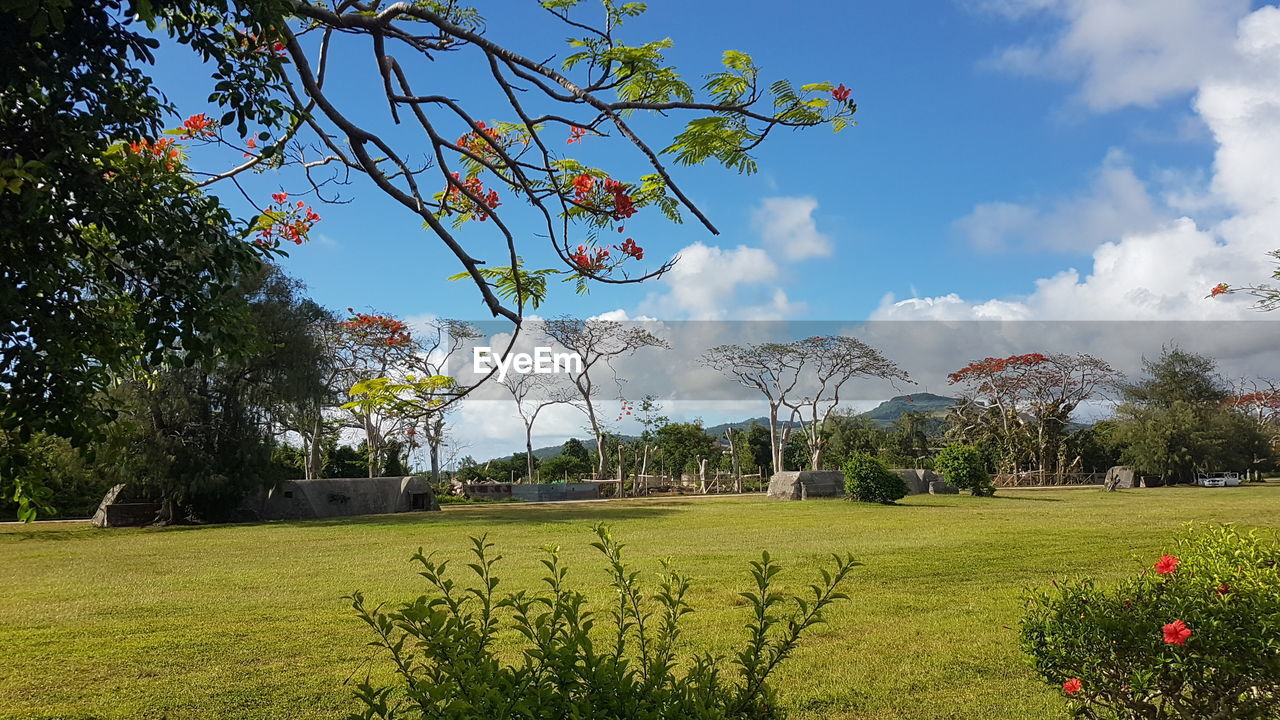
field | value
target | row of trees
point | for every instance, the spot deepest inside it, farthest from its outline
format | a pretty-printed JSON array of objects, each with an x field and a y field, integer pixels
[{"x": 1179, "y": 418}]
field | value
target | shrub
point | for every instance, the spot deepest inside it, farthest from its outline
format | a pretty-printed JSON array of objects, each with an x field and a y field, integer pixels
[
  {"x": 1198, "y": 636},
  {"x": 866, "y": 479},
  {"x": 446, "y": 665},
  {"x": 964, "y": 468}
]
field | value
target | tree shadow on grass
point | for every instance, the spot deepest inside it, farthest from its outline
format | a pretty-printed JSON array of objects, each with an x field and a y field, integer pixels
[
  {"x": 510, "y": 514},
  {"x": 23, "y": 535},
  {"x": 998, "y": 496}
]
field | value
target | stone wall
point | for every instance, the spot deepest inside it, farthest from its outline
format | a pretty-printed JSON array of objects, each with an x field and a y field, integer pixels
[
  {"x": 924, "y": 482},
  {"x": 549, "y": 492},
  {"x": 114, "y": 511},
  {"x": 485, "y": 490},
  {"x": 339, "y": 497},
  {"x": 803, "y": 484}
]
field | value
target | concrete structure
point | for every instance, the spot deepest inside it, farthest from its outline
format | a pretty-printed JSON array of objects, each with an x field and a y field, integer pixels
[
  {"x": 804, "y": 484},
  {"x": 117, "y": 509},
  {"x": 549, "y": 492},
  {"x": 482, "y": 490},
  {"x": 338, "y": 497},
  {"x": 940, "y": 487},
  {"x": 1121, "y": 477},
  {"x": 920, "y": 482}
]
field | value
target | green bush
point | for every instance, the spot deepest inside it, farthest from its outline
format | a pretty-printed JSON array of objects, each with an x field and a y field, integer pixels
[
  {"x": 866, "y": 479},
  {"x": 963, "y": 467},
  {"x": 577, "y": 662},
  {"x": 1198, "y": 637}
]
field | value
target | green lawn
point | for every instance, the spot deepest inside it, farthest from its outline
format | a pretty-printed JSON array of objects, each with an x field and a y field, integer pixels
[{"x": 248, "y": 622}]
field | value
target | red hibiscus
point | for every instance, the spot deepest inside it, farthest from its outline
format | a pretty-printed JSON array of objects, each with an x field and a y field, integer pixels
[
  {"x": 841, "y": 93},
  {"x": 1176, "y": 633},
  {"x": 1166, "y": 564},
  {"x": 1072, "y": 686}
]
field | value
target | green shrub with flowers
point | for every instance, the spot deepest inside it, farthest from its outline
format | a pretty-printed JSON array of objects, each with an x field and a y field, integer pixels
[{"x": 1195, "y": 636}]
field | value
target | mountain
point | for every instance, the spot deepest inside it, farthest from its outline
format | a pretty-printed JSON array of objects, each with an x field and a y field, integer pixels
[
  {"x": 762, "y": 421},
  {"x": 890, "y": 410},
  {"x": 883, "y": 414}
]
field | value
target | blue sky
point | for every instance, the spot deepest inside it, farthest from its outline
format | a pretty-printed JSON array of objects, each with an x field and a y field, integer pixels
[{"x": 944, "y": 126}]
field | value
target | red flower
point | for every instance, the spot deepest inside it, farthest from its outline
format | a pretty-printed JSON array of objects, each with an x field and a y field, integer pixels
[
  {"x": 631, "y": 249},
  {"x": 582, "y": 186},
  {"x": 1072, "y": 686},
  {"x": 280, "y": 197},
  {"x": 1219, "y": 289},
  {"x": 575, "y": 134},
  {"x": 841, "y": 93},
  {"x": 198, "y": 125},
  {"x": 1166, "y": 564},
  {"x": 1176, "y": 633}
]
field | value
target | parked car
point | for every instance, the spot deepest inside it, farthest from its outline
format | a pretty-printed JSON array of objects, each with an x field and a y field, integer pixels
[{"x": 1218, "y": 479}]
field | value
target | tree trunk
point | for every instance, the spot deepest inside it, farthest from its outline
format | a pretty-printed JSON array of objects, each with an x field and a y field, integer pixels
[
  {"x": 733, "y": 460},
  {"x": 622, "y": 476},
  {"x": 313, "y": 459},
  {"x": 528, "y": 450},
  {"x": 815, "y": 454},
  {"x": 775, "y": 446}
]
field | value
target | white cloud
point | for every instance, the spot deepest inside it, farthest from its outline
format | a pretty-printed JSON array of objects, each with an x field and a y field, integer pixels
[
  {"x": 786, "y": 225},
  {"x": 712, "y": 283},
  {"x": 621, "y": 315},
  {"x": 1165, "y": 273},
  {"x": 1117, "y": 203},
  {"x": 709, "y": 282},
  {"x": 1136, "y": 52}
]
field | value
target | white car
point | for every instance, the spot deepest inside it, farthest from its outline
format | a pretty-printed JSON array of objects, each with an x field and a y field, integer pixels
[{"x": 1218, "y": 479}]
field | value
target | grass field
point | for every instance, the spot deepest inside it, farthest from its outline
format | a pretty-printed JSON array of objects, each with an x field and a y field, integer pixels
[{"x": 247, "y": 622}]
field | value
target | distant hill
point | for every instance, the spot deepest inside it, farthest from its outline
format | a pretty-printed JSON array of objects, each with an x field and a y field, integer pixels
[
  {"x": 890, "y": 410},
  {"x": 883, "y": 414},
  {"x": 762, "y": 421}
]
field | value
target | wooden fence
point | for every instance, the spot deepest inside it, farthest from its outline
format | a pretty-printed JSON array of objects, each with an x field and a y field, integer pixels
[{"x": 1047, "y": 479}]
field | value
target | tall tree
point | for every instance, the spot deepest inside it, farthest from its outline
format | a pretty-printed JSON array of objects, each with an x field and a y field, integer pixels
[
  {"x": 806, "y": 378},
  {"x": 828, "y": 364},
  {"x": 373, "y": 351},
  {"x": 106, "y": 255},
  {"x": 1178, "y": 420},
  {"x": 1025, "y": 403},
  {"x": 597, "y": 343},
  {"x": 533, "y": 393},
  {"x": 202, "y": 436}
]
